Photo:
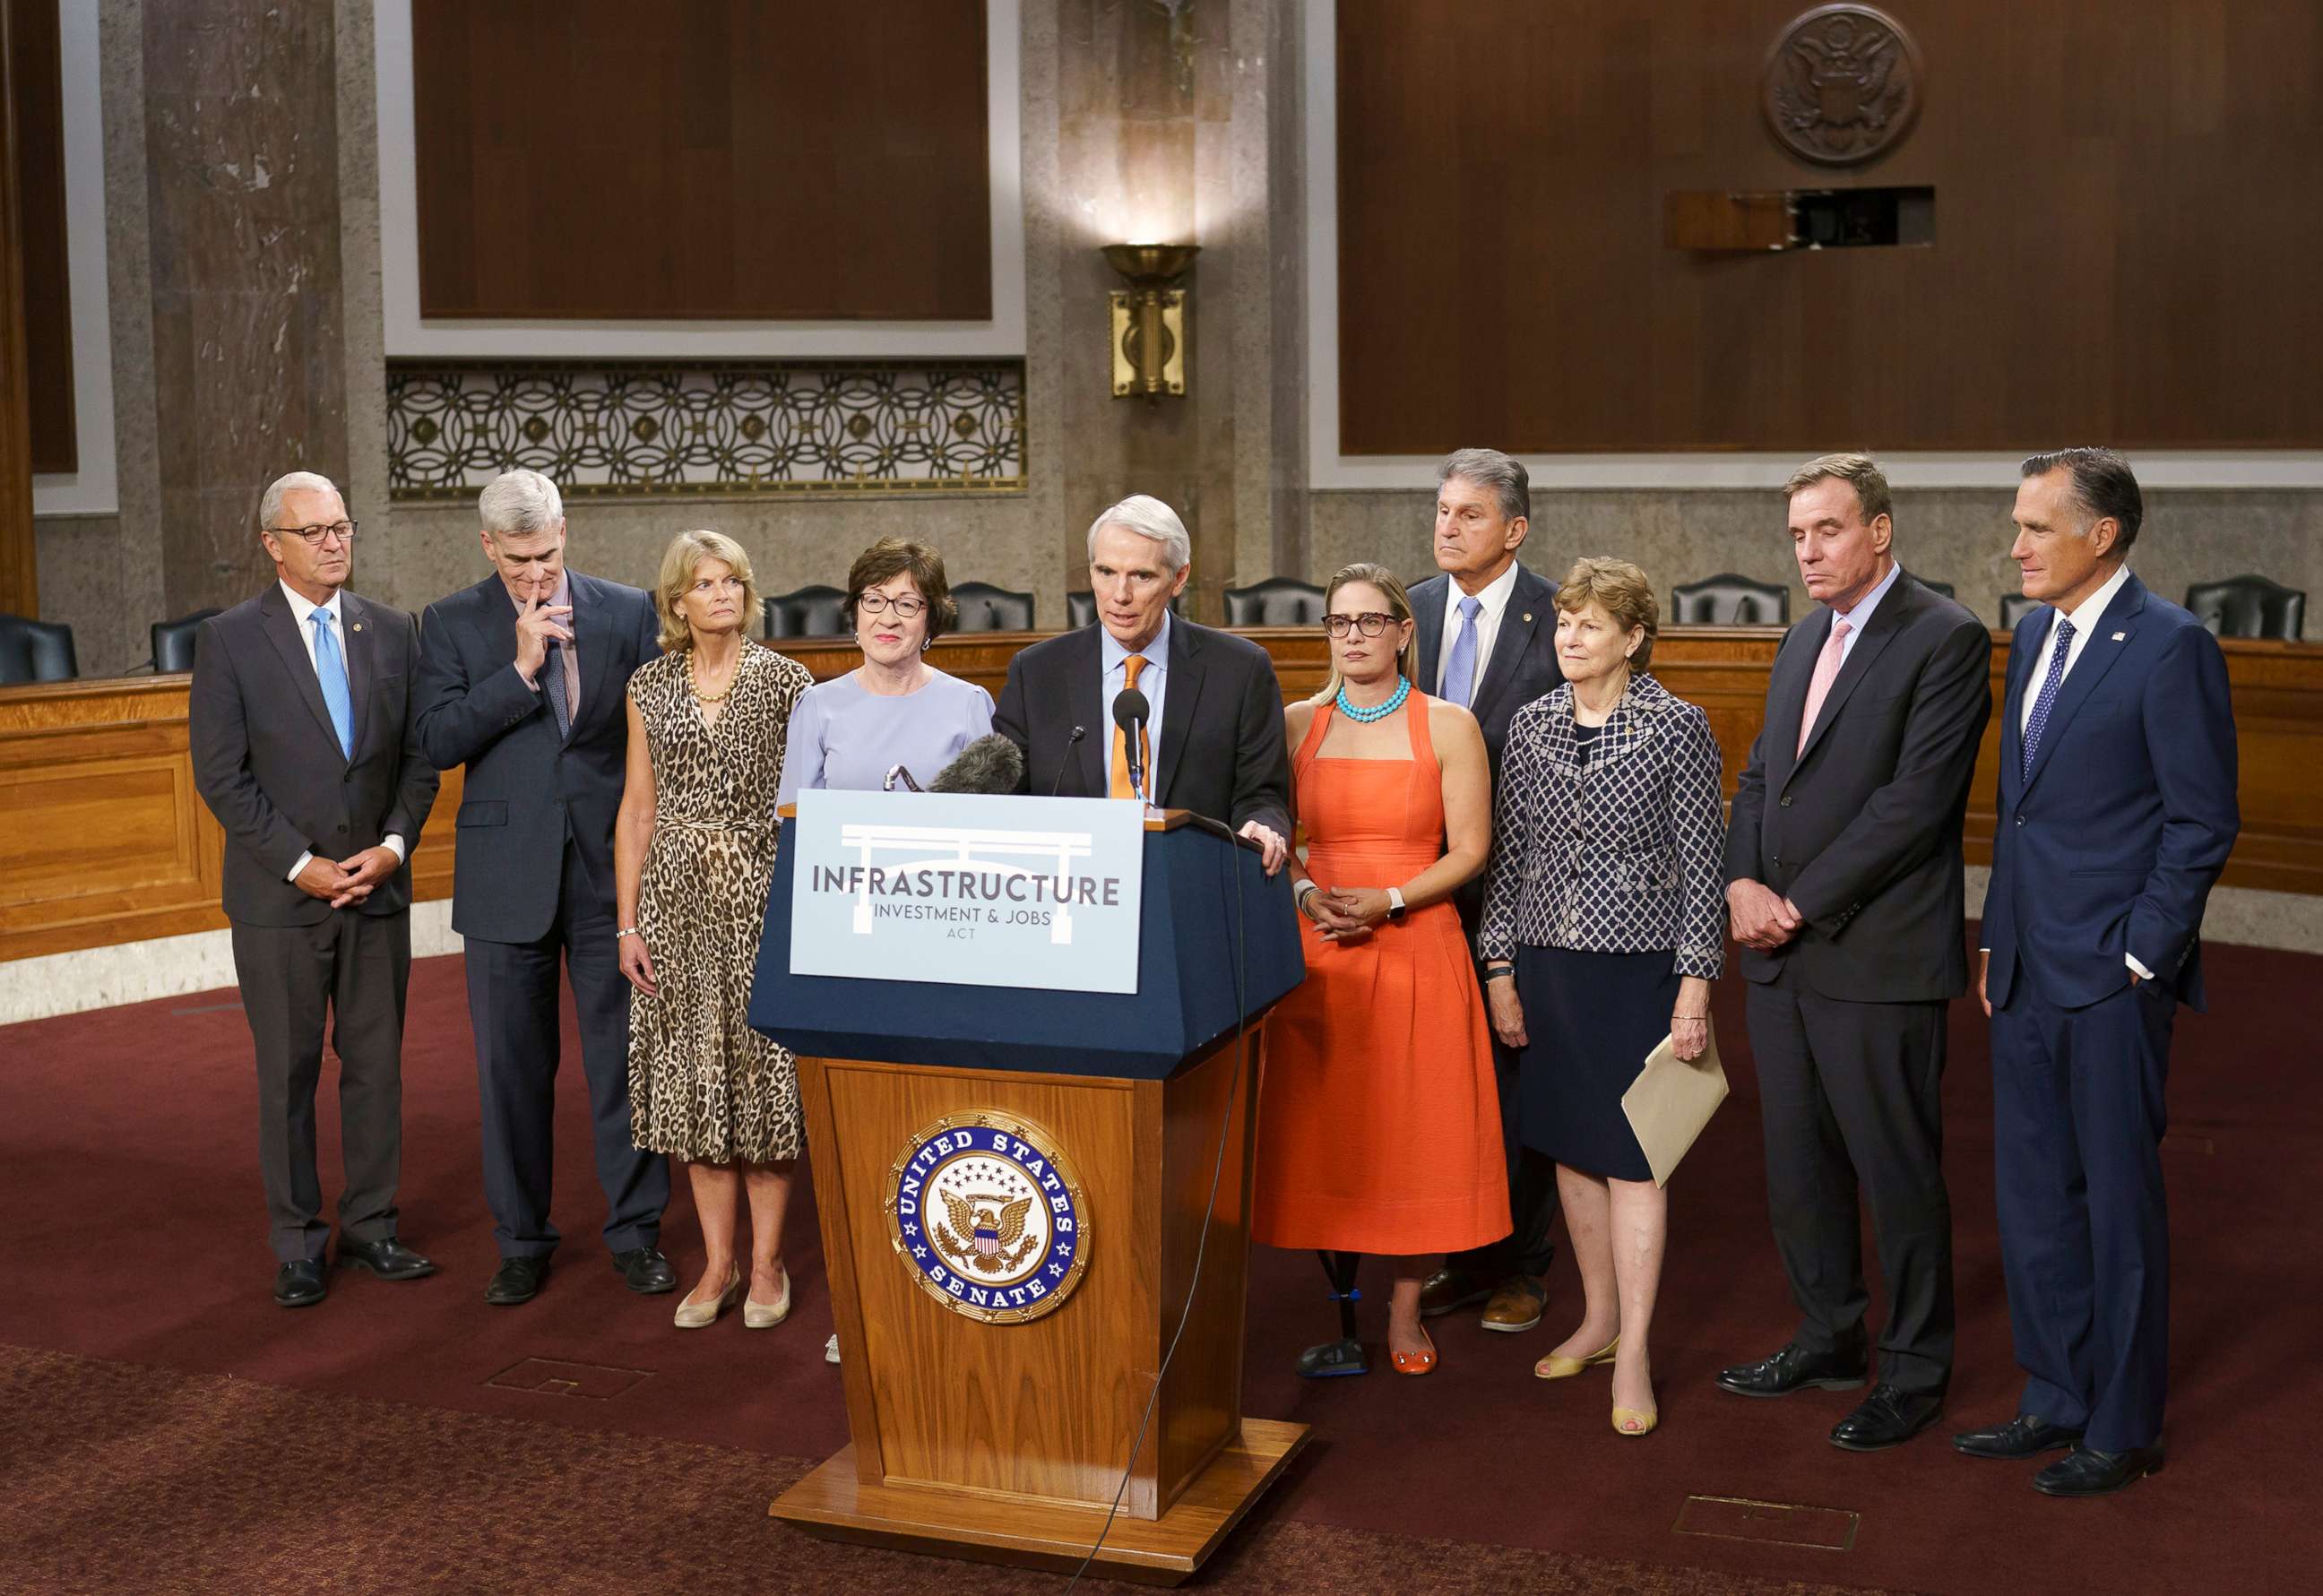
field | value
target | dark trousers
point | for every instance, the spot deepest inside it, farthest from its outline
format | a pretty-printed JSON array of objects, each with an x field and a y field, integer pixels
[
  {"x": 512, "y": 1004},
  {"x": 1851, "y": 1095},
  {"x": 2078, "y": 1118},
  {"x": 346, "y": 972},
  {"x": 1530, "y": 1247}
]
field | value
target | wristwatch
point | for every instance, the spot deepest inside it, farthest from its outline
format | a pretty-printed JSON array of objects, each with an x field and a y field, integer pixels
[
  {"x": 1396, "y": 907},
  {"x": 1307, "y": 889}
]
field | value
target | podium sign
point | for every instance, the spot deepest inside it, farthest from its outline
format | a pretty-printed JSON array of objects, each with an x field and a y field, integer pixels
[{"x": 969, "y": 889}]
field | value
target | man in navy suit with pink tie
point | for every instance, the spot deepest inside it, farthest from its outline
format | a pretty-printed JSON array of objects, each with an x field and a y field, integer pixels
[{"x": 2117, "y": 813}]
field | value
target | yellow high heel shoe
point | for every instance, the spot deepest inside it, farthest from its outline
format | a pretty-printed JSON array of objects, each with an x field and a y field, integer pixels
[
  {"x": 1624, "y": 1416},
  {"x": 1557, "y": 1366}
]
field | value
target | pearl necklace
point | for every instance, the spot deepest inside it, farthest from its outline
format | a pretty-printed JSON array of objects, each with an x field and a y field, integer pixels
[
  {"x": 694, "y": 682},
  {"x": 1378, "y": 711}
]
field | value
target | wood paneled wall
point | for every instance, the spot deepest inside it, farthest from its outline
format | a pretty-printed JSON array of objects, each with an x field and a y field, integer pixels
[
  {"x": 103, "y": 839},
  {"x": 779, "y": 159},
  {"x": 2125, "y": 233}
]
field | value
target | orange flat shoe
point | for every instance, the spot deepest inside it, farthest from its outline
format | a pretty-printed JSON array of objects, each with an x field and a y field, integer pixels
[{"x": 1415, "y": 1362}]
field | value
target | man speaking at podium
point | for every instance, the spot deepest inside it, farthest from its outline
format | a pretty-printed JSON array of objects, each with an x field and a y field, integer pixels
[{"x": 1210, "y": 738}]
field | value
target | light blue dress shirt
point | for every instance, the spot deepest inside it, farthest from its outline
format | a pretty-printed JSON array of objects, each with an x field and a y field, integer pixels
[
  {"x": 1860, "y": 617},
  {"x": 1153, "y": 682}
]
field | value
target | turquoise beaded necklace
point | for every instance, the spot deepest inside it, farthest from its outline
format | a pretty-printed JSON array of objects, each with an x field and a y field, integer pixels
[{"x": 1378, "y": 711}]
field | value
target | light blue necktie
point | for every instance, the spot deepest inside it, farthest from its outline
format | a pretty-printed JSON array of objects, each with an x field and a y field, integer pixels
[
  {"x": 1460, "y": 666},
  {"x": 331, "y": 667},
  {"x": 2047, "y": 700}
]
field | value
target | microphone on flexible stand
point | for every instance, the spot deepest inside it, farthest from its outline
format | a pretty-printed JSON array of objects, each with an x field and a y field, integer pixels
[
  {"x": 898, "y": 776},
  {"x": 1130, "y": 712},
  {"x": 1066, "y": 763}
]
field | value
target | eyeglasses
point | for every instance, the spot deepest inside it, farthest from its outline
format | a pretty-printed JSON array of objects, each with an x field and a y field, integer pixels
[
  {"x": 905, "y": 607},
  {"x": 1370, "y": 625},
  {"x": 315, "y": 534}
]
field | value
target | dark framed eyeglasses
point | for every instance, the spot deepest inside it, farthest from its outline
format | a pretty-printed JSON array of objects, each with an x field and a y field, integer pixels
[
  {"x": 905, "y": 606},
  {"x": 315, "y": 534},
  {"x": 1370, "y": 625}
]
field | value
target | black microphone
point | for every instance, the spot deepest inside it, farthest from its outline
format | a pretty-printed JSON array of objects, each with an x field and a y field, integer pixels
[
  {"x": 1066, "y": 763},
  {"x": 1130, "y": 712},
  {"x": 991, "y": 764}
]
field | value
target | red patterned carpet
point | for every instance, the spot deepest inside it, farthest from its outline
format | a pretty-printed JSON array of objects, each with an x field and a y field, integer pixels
[{"x": 164, "y": 1427}]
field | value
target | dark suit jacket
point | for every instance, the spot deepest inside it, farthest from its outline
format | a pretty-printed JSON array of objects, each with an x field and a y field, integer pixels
[
  {"x": 525, "y": 790},
  {"x": 267, "y": 760},
  {"x": 1861, "y": 828},
  {"x": 1522, "y": 668},
  {"x": 1222, "y": 752},
  {"x": 2118, "y": 853}
]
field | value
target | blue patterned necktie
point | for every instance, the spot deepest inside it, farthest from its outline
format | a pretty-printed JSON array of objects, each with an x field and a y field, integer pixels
[
  {"x": 1460, "y": 665},
  {"x": 331, "y": 669},
  {"x": 2048, "y": 699}
]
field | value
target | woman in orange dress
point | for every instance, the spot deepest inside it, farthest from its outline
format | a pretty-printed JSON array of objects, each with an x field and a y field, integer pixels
[{"x": 1379, "y": 1126}]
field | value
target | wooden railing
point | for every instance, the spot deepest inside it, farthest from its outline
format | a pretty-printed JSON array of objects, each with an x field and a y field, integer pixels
[{"x": 103, "y": 839}]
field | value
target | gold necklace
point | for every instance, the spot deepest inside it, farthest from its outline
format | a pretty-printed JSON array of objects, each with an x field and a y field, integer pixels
[{"x": 693, "y": 681}]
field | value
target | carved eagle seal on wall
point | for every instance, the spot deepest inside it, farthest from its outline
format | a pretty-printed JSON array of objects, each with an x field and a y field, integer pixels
[{"x": 1842, "y": 84}]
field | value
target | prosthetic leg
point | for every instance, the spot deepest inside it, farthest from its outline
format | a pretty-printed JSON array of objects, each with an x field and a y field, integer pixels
[{"x": 1344, "y": 1355}]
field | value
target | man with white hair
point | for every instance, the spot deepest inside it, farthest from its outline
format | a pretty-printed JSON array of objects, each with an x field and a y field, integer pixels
[
  {"x": 302, "y": 749},
  {"x": 522, "y": 680},
  {"x": 1212, "y": 738}
]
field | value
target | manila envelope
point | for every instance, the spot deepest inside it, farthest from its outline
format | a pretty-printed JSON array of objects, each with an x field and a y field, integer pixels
[{"x": 1670, "y": 1102}]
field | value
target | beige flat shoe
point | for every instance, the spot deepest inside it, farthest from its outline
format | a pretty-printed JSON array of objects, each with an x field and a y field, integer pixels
[
  {"x": 1554, "y": 1367},
  {"x": 766, "y": 1315},
  {"x": 700, "y": 1315}
]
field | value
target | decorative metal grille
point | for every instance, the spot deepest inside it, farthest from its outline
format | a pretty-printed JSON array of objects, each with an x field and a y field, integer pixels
[{"x": 603, "y": 428}]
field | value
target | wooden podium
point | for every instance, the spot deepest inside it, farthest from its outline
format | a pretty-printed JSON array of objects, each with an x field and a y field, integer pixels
[{"x": 998, "y": 1433}]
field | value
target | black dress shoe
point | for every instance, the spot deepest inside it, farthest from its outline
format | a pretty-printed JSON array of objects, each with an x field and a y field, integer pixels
[
  {"x": 389, "y": 1260},
  {"x": 2086, "y": 1472},
  {"x": 1889, "y": 1417},
  {"x": 647, "y": 1271},
  {"x": 2021, "y": 1436},
  {"x": 1795, "y": 1369},
  {"x": 299, "y": 1283},
  {"x": 518, "y": 1280}
]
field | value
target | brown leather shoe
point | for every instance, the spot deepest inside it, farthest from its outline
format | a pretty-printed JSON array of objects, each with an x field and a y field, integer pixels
[
  {"x": 1516, "y": 1304},
  {"x": 1449, "y": 1290}
]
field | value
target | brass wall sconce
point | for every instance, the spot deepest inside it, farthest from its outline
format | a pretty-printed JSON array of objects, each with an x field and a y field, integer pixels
[{"x": 1149, "y": 318}]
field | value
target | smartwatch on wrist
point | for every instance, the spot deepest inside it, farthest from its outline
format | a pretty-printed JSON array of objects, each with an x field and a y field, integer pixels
[{"x": 1396, "y": 907}]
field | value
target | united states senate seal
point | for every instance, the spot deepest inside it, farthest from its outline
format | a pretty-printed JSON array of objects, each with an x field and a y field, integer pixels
[{"x": 988, "y": 1216}]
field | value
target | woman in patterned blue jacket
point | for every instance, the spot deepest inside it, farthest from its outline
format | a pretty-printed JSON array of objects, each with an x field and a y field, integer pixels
[{"x": 1604, "y": 923}]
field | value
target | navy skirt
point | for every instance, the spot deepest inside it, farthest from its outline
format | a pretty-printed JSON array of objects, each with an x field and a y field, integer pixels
[{"x": 1591, "y": 1019}]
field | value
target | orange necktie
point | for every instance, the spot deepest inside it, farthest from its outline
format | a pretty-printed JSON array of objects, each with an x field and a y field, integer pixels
[{"x": 1121, "y": 787}]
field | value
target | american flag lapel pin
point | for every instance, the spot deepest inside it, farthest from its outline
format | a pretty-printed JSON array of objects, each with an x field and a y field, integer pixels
[{"x": 2120, "y": 637}]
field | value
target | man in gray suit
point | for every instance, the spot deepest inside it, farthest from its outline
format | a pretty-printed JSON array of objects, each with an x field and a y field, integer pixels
[
  {"x": 1486, "y": 632},
  {"x": 524, "y": 679},
  {"x": 302, "y": 749}
]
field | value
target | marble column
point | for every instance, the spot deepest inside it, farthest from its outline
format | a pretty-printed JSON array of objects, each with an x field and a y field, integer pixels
[{"x": 243, "y": 195}]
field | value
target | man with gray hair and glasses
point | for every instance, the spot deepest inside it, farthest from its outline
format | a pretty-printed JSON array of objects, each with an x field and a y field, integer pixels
[
  {"x": 1486, "y": 633},
  {"x": 1212, "y": 738},
  {"x": 302, "y": 749},
  {"x": 523, "y": 680}
]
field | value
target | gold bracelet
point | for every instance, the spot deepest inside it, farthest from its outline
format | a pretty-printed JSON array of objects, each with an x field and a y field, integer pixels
[{"x": 1689, "y": 1016}]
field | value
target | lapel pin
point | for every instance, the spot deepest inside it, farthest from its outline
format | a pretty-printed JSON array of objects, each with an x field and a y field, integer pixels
[
  {"x": 358, "y": 627},
  {"x": 2120, "y": 637},
  {"x": 1528, "y": 618}
]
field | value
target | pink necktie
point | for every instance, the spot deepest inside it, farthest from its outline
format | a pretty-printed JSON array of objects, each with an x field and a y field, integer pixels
[{"x": 1826, "y": 672}]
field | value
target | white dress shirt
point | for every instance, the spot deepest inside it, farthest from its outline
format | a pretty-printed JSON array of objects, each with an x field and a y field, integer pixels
[
  {"x": 1153, "y": 682},
  {"x": 2085, "y": 617},
  {"x": 1494, "y": 598},
  {"x": 301, "y": 608}
]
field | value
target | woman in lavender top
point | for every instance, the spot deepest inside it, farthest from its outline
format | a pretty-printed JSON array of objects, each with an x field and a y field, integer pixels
[{"x": 895, "y": 708}]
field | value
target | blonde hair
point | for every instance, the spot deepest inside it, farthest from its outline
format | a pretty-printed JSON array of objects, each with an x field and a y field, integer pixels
[
  {"x": 679, "y": 562},
  {"x": 1620, "y": 589},
  {"x": 1399, "y": 604}
]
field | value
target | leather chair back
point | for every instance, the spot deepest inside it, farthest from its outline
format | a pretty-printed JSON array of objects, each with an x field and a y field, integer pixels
[
  {"x": 2013, "y": 609},
  {"x": 1729, "y": 599},
  {"x": 983, "y": 608},
  {"x": 35, "y": 651},
  {"x": 1279, "y": 601},
  {"x": 809, "y": 612},
  {"x": 173, "y": 641},
  {"x": 2248, "y": 606}
]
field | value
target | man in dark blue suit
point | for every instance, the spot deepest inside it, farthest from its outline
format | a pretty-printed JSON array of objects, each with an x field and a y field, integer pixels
[
  {"x": 523, "y": 679},
  {"x": 1486, "y": 630},
  {"x": 2117, "y": 813}
]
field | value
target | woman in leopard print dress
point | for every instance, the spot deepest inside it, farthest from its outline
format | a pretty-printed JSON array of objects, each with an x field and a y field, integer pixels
[{"x": 693, "y": 854}]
